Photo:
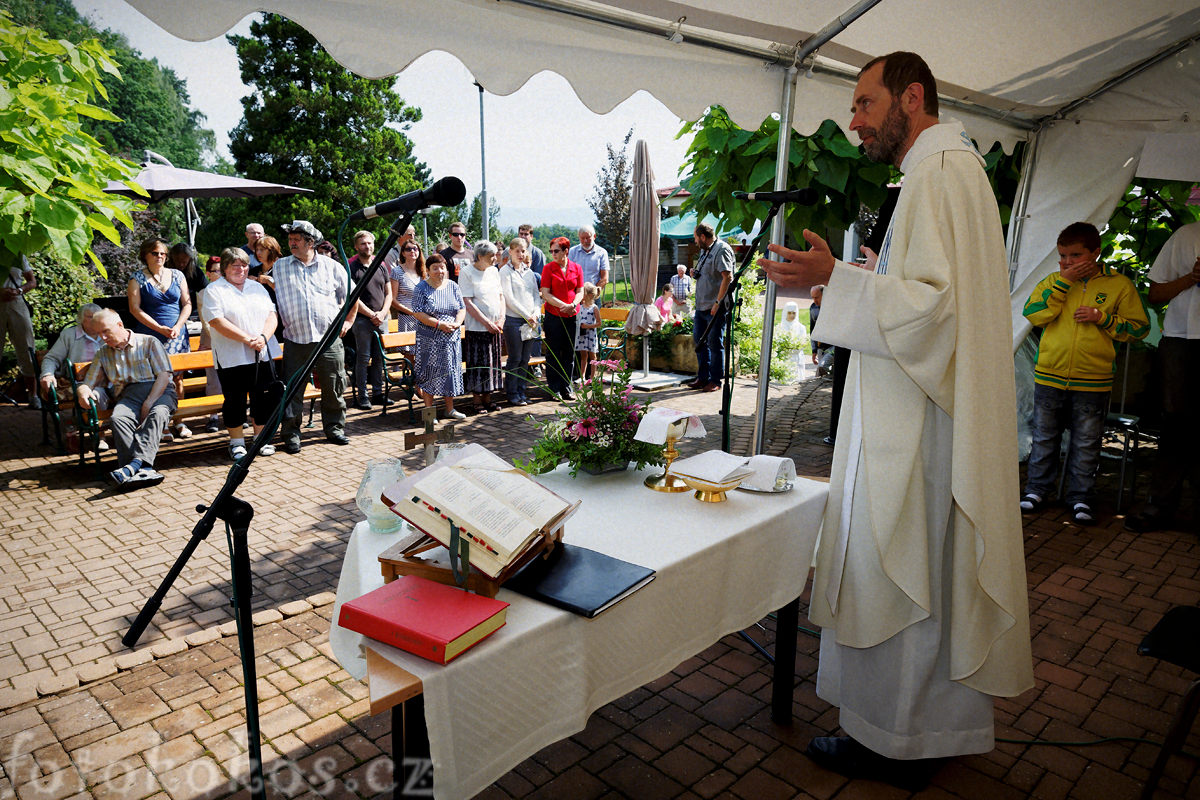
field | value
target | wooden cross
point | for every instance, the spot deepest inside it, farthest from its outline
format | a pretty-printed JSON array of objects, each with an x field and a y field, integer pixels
[{"x": 430, "y": 437}]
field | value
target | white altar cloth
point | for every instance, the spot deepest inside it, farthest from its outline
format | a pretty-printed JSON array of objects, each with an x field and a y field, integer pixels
[{"x": 720, "y": 568}]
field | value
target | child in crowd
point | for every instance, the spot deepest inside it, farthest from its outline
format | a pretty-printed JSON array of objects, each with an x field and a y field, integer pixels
[
  {"x": 666, "y": 304},
  {"x": 587, "y": 342},
  {"x": 1084, "y": 308}
]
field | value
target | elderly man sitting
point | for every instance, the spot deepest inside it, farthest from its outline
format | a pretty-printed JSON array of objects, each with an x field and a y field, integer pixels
[
  {"x": 78, "y": 344},
  {"x": 139, "y": 370}
]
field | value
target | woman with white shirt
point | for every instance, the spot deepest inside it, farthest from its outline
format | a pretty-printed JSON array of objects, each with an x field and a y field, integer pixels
[
  {"x": 522, "y": 320},
  {"x": 241, "y": 319},
  {"x": 484, "y": 300}
]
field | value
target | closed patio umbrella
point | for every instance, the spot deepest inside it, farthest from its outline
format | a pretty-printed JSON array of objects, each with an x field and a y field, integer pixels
[{"x": 643, "y": 251}]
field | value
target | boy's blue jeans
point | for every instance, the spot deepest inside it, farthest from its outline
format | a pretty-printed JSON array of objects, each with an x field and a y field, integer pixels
[{"x": 1054, "y": 410}]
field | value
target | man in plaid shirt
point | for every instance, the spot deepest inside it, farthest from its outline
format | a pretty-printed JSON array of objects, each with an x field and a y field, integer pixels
[
  {"x": 681, "y": 288},
  {"x": 310, "y": 290},
  {"x": 139, "y": 370}
]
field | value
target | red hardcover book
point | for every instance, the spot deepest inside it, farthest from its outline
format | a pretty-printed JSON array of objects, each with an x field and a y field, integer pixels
[{"x": 427, "y": 619}]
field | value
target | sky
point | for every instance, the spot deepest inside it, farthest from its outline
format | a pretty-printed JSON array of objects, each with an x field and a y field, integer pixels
[{"x": 532, "y": 177}]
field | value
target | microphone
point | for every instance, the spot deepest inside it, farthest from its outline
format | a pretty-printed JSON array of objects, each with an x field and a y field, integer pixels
[
  {"x": 805, "y": 197},
  {"x": 449, "y": 191}
]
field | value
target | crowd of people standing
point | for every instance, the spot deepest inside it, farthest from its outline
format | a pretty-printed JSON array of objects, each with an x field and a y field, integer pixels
[{"x": 263, "y": 315}]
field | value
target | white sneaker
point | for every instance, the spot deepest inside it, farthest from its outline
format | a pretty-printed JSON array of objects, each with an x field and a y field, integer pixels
[
  {"x": 267, "y": 450},
  {"x": 103, "y": 446},
  {"x": 168, "y": 437},
  {"x": 237, "y": 451},
  {"x": 183, "y": 431}
]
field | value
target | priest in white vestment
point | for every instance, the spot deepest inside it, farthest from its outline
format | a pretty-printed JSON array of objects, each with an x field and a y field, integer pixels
[{"x": 920, "y": 583}]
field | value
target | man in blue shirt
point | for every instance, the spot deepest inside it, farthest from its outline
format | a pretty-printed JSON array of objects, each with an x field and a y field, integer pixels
[{"x": 591, "y": 258}]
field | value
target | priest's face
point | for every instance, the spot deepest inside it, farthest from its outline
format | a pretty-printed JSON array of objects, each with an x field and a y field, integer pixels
[{"x": 878, "y": 119}]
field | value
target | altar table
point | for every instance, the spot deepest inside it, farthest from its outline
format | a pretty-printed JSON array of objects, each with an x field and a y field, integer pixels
[{"x": 720, "y": 567}]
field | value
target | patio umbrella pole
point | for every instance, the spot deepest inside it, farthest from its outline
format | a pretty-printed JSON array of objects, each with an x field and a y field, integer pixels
[{"x": 237, "y": 513}]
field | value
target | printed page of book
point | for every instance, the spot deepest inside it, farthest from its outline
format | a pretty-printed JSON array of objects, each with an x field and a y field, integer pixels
[
  {"x": 473, "y": 506},
  {"x": 537, "y": 503}
]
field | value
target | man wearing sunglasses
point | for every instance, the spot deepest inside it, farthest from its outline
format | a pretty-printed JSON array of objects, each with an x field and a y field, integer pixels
[{"x": 459, "y": 255}]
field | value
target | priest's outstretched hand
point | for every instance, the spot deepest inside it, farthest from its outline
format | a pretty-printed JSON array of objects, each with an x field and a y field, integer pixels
[{"x": 800, "y": 269}]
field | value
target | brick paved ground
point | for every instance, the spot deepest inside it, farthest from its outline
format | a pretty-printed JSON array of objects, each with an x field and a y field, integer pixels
[{"x": 165, "y": 720}]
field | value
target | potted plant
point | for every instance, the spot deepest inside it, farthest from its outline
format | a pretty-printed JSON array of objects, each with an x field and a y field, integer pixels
[{"x": 594, "y": 432}]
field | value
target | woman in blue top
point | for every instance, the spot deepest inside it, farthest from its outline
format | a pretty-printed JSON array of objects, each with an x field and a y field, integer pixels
[
  {"x": 438, "y": 306},
  {"x": 159, "y": 299},
  {"x": 161, "y": 304}
]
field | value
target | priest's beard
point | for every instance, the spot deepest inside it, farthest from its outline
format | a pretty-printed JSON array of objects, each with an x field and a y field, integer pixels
[{"x": 890, "y": 136}]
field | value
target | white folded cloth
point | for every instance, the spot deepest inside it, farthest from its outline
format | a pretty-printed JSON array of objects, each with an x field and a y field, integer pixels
[
  {"x": 714, "y": 466},
  {"x": 771, "y": 473},
  {"x": 653, "y": 427}
]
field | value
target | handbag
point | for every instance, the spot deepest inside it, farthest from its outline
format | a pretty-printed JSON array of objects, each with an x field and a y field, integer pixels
[{"x": 275, "y": 388}]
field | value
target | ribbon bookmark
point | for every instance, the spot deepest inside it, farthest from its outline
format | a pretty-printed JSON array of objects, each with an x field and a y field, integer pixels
[{"x": 460, "y": 547}]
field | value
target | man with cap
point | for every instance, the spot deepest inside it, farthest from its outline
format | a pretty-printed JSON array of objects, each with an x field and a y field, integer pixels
[{"x": 310, "y": 290}]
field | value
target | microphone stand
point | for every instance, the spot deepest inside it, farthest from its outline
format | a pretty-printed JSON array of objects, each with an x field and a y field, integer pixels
[
  {"x": 730, "y": 304},
  {"x": 237, "y": 513}
]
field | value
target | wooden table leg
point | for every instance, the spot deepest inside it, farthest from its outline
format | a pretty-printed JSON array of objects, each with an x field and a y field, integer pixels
[{"x": 786, "y": 621}]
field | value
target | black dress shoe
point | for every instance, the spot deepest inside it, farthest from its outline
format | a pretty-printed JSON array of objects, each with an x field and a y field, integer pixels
[
  {"x": 363, "y": 406},
  {"x": 843, "y": 755},
  {"x": 337, "y": 438},
  {"x": 1148, "y": 519},
  {"x": 380, "y": 400},
  {"x": 292, "y": 446}
]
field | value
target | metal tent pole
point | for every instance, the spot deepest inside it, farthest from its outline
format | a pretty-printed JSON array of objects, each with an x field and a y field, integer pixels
[{"x": 786, "y": 107}]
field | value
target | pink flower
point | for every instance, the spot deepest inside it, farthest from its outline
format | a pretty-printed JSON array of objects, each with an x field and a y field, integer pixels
[
  {"x": 608, "y": 364},
  {"x": 584, "y": 428}
]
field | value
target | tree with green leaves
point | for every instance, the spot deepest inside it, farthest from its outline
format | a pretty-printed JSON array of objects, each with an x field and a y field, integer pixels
[
  {"x": 613, "y": 192},
  {"x": 724, "y": 158},
  {"x": 310, "y": 122},
  {"x": 52, "y": 172}
]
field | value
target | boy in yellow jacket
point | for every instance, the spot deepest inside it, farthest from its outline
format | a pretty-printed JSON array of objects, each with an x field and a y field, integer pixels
[{"x": 1084, "y": 309}]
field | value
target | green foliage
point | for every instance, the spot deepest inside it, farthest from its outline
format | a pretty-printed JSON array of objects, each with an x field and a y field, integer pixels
[
  {"x": 312, "y": 123},
  {"x": 52, "y": 172},
  {"x": 610, "y": 203},
  {"x": 1004, "y": 173},
  {"x": 1140, "y": 225},
  {"x": 121, "y": 259},
  {"x": 151, "y": 101},
  {"x": 542, "y": 234},
  {"x": 748, "y": 333},
  {"x": 724, "y": 158},
  {"x": 62, "y": 288},
  {"x": 595, "y": 429},
  {"x": 662, "y": 340}
]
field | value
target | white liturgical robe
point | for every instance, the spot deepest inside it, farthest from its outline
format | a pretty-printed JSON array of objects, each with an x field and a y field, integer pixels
[{"x": 920, "y": 584}]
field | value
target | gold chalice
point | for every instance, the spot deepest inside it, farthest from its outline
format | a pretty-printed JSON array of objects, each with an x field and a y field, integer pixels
[{"x": 668, "y": 482}]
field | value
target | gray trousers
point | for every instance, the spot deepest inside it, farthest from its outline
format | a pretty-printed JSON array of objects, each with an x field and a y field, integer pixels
[
  {"x": 330, "y": 368},
  {"x": 140, "y": 439}
]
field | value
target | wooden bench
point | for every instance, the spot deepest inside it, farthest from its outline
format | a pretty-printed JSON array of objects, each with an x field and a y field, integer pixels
[
  {"x": 611, "y": 333},
  {"x": 90, "y": 420},
  {"x": 398, "y": 364}
]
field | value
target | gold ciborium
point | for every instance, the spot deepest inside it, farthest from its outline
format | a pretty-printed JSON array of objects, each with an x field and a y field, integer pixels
[{"x": 668, "y": 482}]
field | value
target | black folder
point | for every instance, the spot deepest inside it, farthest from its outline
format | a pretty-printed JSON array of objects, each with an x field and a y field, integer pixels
[{"x": 579, "y": 580}]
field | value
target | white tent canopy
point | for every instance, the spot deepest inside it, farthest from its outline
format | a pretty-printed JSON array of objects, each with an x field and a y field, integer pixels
[{"x": 1005, "y": 70}]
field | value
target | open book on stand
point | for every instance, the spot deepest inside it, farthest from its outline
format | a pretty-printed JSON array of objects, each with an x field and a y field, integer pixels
[{"x": 502, "y": 512}]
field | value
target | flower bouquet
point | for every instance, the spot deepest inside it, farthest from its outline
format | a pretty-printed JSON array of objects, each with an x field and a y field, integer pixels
[{"x": 595, "y": 430}]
